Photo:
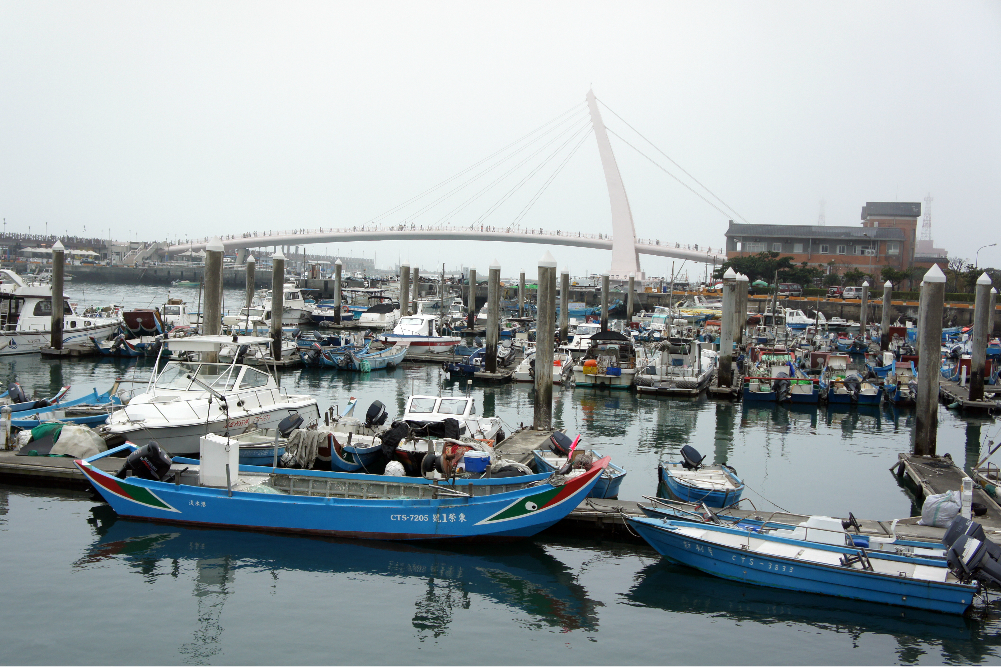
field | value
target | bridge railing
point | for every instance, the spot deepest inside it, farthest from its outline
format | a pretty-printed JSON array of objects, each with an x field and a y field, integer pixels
[{"x": 487, "y": 229}]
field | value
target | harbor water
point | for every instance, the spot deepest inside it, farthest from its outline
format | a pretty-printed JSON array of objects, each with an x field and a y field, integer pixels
[{"x": 82, "y": 586}]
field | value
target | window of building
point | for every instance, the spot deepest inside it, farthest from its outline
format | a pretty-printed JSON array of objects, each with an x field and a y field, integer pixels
[
  {"x": 754, "y": 247},
  {"x": 824, "y": 248},
  {"x": 841, "y": 250},
  {"x": 798, "y": 247},
  {"x": 893, "y": 248},
  {"x": 777, "y": 247}
]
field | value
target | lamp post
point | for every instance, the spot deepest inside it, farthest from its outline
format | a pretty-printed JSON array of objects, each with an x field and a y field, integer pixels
[{"x": 990, "y": 245}]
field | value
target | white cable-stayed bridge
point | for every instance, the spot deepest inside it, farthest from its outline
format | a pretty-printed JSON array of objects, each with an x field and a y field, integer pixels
[{"x": 434, "y": 214}]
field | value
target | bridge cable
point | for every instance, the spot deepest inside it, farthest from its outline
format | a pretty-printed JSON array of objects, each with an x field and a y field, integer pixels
[
  {"x": 586, "y": 129},
  {"x": 557, "y": 120},
  {"x": 672, "y": 161},
  {"x": 686, "y": 185},
  {"x": 488, "y": 170},
  {"x": 541, "y": 190},
  {"x": 500, "y": 178}
]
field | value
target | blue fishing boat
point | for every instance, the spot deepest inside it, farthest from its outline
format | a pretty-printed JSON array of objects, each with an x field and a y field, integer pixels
[
  {"x": 607, "y": 485},
  {"x": 88, "y": 410},
  {"x": 840, "y": 384},
  {"x": 690, "y": 481},
  {"x": 331, "y": 503},
  {"x": 365, "y": 361},
  {"x": 796, "y": 564},
  {"x": 18, "y": 401}
]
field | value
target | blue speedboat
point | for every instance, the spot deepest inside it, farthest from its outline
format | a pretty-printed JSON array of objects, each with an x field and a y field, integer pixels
[
  {"x": 89, "y": 410},
  {"x": 555, "y": 458},
  {"x": 789, "y": 562}
]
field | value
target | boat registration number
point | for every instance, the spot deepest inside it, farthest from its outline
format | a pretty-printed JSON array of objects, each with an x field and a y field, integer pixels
[
  {"x": 432, "y": 518},
  {"x": 744, "y": 560}
]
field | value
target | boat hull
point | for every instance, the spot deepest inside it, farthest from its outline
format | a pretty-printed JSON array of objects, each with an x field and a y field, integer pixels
[
  {"x": 607, "y": 485},
  {"x": 790, "y": 574},
  {"x": 622, "y": 381},
  {"x": 32, "y": 341},
  {"x": 699, "y": 494}
]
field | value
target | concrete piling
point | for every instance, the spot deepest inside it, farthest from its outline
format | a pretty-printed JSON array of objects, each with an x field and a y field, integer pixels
[
  {"x": 58, "y": 266},
  {"x": 740, "y": 307},
  {"x": 629, "y": 300},
  {"x": 415, "y": 287},
  {"x": 863, "y": 310},
  {"x": 930, "y": 335},
  {"x": 471, "y": 310},
  {"x": 992, "y": 303},
  {"x": 493, "y": 316},
  {"x": 545, "y": 306},
  {"x": 212, "y": 316},
  {"x": 979, "y": 337},
  {"x": 441, "y": 298},
  {"x": 250, "y": 267},
  {"x": 405, "y": 290},
  {"x": 521, "y": 294},
  {"x": 338, "y": 268},
  {"x": 885, "y": 318},
  {"x": 605, "y": 302},
  {"x": 277, "y": 304},
  {"x": 725, "y": 375},
  {"x": 565, "y": 303}
]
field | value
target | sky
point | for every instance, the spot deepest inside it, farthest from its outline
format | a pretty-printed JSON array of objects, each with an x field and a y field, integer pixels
[{"x": 172, "y": 120}]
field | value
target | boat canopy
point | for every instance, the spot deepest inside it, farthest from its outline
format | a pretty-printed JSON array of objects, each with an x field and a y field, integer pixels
[{"x": 212, "y": 343}]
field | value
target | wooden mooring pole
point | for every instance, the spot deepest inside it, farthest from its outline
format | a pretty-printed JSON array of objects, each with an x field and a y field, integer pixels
[
  {"x": 545, "y": 306},
  {"x": 56, "y": 327},
  {"x": 930, "y": 335},
  {"x": 493, "y": 315},
  {"x": 979, "y": 337}
]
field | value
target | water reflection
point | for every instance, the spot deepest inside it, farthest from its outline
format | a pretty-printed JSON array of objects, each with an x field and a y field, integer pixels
[
  {"x": 520, "y": 576},
  {"x": 667, "y": 425},
  {"x": 960, "y": 639}
]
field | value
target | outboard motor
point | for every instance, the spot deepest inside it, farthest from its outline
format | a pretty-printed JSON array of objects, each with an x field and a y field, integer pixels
[
  {"x": 560, "y": 443},
  {"x": 375, "y": 415},
  {"x": 691, "y": 460},
  {"x": 781, "y": 385},
  {"x": 853, "y": 386},
  {"x": 970, "y": 555},
  {"x": 289, "y": 424},
  {"x": 148, "y": 462},
  {"x": 119, "y": 343},
  {"x": 15, "y": 393}
]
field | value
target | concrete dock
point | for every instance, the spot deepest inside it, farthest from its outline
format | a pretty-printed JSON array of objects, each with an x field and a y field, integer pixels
[{"x": 953, "y": 392}]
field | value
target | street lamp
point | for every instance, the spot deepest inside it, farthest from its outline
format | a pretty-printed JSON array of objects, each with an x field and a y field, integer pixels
[{"x": 990, "y": 245}]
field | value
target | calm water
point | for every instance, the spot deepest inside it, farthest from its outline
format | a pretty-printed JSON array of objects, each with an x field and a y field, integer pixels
[{"x": 73, "y": 572}]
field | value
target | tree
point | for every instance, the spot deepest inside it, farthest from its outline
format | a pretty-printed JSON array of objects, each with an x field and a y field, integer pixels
[
  {"x": 832, "y": 279},
  {"x": 854, "y": 276},
  {"x": 956, "y": 270},
  {"x": 895, "y": 276}
]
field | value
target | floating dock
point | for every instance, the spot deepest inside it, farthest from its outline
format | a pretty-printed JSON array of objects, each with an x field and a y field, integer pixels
[
  {"x": 954, "y": 392},
  {"x": 933, "y": 475}
]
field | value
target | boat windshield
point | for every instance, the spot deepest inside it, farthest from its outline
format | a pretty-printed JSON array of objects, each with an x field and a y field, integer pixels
[
  {"x": 452, "y": 406},
  {"x": 175, "y": 376},
  {"x": 422, "y": 405}
]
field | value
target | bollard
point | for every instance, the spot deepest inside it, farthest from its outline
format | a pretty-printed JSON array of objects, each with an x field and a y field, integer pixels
[
  {"x": 725, "y": 376},
  {"x": 521, "y": 294},
  {"x": 979, "y": 337},
  {"x": 405, "y": 289},
  {"x": 415, "y": 287},
  {"x": 277, "y": 303},
  {"x": 545, "y": 305},
  {"x": 212, "y": 316},
  {"x": 605, "y": 302},
  {"x": 493, "y": 313},
  {"x": 930, "y": 335},
  {"x": 885, "y": 317},
  {"x": 58, "y": 264},
  {"x": 863, "y": 311},
  {"x": 740, "y": 307},
  {"x": 565, "y": 299},
  {"x": 471, "y": 310},
  {"x": 337, "y": 290}
]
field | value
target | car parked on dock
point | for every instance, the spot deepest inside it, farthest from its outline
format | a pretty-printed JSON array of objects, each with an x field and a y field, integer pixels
[
  {"x": 852, "y": 292},
  {"x": 835, "y": 292}
]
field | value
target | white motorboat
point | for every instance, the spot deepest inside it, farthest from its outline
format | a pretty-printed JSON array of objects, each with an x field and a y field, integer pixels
[
  {"x": 460, "y": 408},
  {"x": 676, "y": 366},
  {"x": 380, "y": 316},
  {"x": 609, "y": 362},
  {"x": 563, "y": 365},
  {"x": 26, "y": 318},
  {"x": 187, "y": 400},
  {"x": 796, "y": 319},
  {"x": 582, "y": 339},
  {"x": 420, "y": 332}
]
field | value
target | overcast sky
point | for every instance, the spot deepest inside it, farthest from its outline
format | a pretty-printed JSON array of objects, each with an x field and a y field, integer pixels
[{"x": 166, "y": 120}]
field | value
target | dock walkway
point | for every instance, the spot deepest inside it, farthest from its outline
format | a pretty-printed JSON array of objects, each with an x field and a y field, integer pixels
[
  {"x": 954, "y": 392},
  {"x": 938, "y": 474}
]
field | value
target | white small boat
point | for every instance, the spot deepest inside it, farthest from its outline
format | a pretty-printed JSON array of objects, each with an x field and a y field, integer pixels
[
  {"x": 420, "y": 333},
  {"x": 563, "y": 366}
]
